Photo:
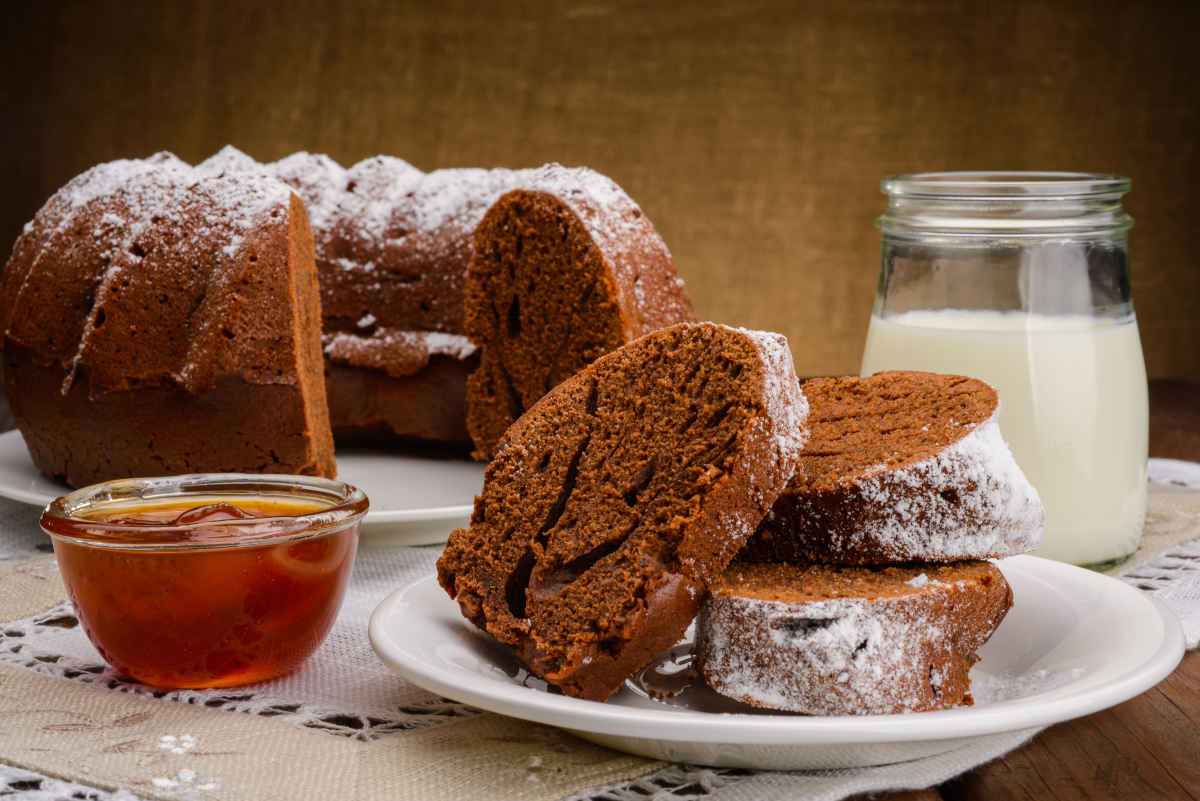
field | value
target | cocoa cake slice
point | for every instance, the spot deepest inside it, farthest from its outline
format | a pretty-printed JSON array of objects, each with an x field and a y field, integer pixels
[
  {"x": 565, "y": 268},
  {"x": 615, "y": 500},
  {"x": 839, "y": 640},
  {"x": 902, "y": 467}
]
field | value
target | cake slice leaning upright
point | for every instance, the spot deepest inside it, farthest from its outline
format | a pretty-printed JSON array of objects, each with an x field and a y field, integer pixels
[
  {"x": 159, "y": 318},
  {"x": 618, "y": 498}
]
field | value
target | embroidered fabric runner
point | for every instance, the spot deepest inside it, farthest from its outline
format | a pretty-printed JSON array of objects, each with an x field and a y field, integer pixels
[{"x": 343, "y": 726}]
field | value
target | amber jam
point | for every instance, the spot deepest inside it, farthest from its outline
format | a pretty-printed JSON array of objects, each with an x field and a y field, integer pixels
[{"x": 207, "y": 581}]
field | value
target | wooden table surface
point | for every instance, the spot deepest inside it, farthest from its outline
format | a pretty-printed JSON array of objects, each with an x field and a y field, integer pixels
[{"x": 1146, "y": 748}]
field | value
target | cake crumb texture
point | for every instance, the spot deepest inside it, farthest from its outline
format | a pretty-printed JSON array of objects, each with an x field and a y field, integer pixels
[
  {"x": 566, "y": 267},
  {"x": 616, "y": 499}
]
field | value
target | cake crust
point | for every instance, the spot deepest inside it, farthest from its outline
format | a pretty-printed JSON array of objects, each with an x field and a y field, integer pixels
[
  {"x": 160, "y": 318},
  {"x": 615, "y": 500},
  {"x": 829, "y": 640},
  {"x": 902, "y": 467}
]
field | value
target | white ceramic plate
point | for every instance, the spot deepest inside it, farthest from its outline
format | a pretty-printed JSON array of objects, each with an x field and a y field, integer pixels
[
  {"x": 414, "y": 500},
  {"x": 1075, "y": 642}
]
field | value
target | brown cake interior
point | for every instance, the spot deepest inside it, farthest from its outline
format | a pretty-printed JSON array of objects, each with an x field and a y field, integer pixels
[
  {"x": 596, "y": 533},
  {"x": 885, "y": 421},
  {"x": 807, "y": 583},
  {"x": 368, "y": 406},
  {"x": 540, "y": 298}
]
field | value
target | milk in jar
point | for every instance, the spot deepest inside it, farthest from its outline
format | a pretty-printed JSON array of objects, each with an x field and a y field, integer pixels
[
  {"x": 1073, "y": 408},
  {"x": 1023, "y": 280}
]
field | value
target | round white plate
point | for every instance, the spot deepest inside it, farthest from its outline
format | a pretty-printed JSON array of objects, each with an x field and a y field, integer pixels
[
  {"x": 414, "y": 500},
  {"x": 1074, "y": 642}
]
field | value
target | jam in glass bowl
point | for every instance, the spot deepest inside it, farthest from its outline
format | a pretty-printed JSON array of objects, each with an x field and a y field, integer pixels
[{"x": 211, "y": 580}]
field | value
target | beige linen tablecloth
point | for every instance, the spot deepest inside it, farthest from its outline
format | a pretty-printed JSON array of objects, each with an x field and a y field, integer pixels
[{"x": 343, "y": 727}]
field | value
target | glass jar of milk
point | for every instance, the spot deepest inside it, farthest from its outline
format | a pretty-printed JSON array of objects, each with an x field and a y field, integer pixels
[{"x": 1022, "y": 280}]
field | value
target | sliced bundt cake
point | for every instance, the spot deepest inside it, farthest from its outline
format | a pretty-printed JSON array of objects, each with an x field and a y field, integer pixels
[
  {"x": 618, "y": 497},
  {"x": 566, "y": 268},
  {"x": 392, "y": 246},
  {"x": 902, "y": 467},
  {"x": 159, "y": 318},
  {"x": 830, "y": 640}
]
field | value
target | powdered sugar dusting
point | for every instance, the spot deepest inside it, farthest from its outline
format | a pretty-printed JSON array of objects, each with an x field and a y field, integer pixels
[
  {"x": 786, "y": 404},
  {"x": 320, "y": 181},
  {"x": 989, "y": 688},
  {"x": 453, "y": 345},
  {"x": 383, "y": 203},
  {"x": 228, "y": 160},
  {"x": 858, "y": 646},
  {"x": 458, "y": 197},
  {"x": 839, "y": 655},
  {"x": 611, "y": 216},
  {"x": 383, "y": 225},
  {"x": 633, "y": 249},
  {"x": 969, "y": 501},
  {"x": 209, "y": 210},
  {"x": 385, "y": 207}
]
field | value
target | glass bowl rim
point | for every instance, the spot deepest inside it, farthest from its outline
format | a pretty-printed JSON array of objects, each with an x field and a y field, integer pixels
[
  {"x": 1005, "y": 185},
  {"x": 349, "y": 505}
]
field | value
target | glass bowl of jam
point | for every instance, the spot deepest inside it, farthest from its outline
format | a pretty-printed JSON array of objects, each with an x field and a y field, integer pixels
[{"x": 210, "y": 580}]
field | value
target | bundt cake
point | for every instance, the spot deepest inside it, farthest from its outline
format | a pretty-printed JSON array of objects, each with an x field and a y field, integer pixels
[
  {"x": 159, "y": 318},
  {"x": 829, "y": 640},
  {"x": 565, "y": 268},
  {"x": 615, "y": 500},
  {"x": 392, "y": 246},
  {"x": 901, "y": 467}
]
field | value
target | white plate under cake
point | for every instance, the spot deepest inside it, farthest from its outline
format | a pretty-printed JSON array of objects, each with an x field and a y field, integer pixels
[{"x": 1074, "y": 642}]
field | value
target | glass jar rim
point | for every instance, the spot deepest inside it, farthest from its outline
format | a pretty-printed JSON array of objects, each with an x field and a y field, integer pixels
[
  {"x": 1005, "y": 185},
  {"x": 61, "y": 518}
]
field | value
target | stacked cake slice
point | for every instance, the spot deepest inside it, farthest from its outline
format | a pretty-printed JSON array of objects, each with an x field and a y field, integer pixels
[{"x": 863, "y": 591}]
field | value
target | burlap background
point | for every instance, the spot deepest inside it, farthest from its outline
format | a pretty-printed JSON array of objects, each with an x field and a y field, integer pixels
[{"x": 753, "y": 132}]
